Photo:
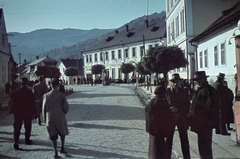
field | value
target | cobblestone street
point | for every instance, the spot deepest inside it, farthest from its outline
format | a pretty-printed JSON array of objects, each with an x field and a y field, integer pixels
[{"x": 104, "y": 122}]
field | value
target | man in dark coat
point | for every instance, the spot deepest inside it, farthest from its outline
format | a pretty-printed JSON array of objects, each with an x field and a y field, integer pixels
[
  {"x": 222, "y": 97},
  {"x": 180, "y": 104},
  {"x": 39, "y": 89},
  {"x": 203, "y": 114},
  {"x": 228, "y": 116},
  {"x": 23, "y": 107}
]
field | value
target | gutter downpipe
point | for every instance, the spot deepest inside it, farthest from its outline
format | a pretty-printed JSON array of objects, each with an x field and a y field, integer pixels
[
  {"x": 196, "y": 56},
  {"x": 185, "y": 8}
]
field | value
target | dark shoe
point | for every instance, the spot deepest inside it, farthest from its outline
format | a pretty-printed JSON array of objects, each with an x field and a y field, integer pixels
[
  {"x": 218, "y": 132},
  {"x": 226, "y": 133},
  {"x": 28, "y": 142},
  {"x": 62, "y": 151},
  {"x": 39, "y": 121},
  {"x": 56, "y": 155},
  {"x": 229, "y": 128},
  {"x": 16, "y": 147}
]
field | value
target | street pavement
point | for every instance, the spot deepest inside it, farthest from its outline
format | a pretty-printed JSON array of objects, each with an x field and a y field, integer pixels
[{"x": 105, "y": 122}]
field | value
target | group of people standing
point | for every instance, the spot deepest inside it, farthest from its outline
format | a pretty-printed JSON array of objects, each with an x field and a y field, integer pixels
[
  {"x": 28, "y": 104},
  {"x": 209, "y": 108}
]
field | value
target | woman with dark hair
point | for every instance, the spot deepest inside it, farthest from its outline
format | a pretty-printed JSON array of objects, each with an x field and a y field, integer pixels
[{"x": 159, "y": 125}]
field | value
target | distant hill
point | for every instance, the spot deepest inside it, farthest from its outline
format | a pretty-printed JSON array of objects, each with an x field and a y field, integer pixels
[
  {"x": 66, "y": 43},
  {"x": 38, "y": 41}
]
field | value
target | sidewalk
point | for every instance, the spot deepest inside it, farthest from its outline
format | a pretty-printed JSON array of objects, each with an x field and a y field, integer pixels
[
  {"x": 4, "y": 102},
  {"x": 223, "y": 146}
]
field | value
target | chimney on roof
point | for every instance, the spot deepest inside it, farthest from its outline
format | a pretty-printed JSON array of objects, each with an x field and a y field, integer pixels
[
  {"x": 37, "y": 57},
  {"x": 68, "y": 59},
  {"x": 116, "y": 32},
  {"x": 126, "y": 27},
  {"x": 25, "y": 61},
  {"x": 46, "y": 56},
  {"x": 146, "y": 23}
]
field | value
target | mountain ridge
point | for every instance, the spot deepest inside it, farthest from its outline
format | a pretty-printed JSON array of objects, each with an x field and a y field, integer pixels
[{"x": 67, "y": 42}]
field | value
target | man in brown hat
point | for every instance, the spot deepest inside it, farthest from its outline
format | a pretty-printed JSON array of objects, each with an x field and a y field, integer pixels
[
  {"x": 23, "y": 108},
  {"x": 203, "y": 115},
  {"x": 222, "y": 97},
  {"x": 180, "y": 103}
]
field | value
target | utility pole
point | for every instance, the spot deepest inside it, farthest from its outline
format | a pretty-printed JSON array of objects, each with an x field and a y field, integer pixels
[
  {"x": 77, "y": 68},
  {"x": 19, "y": 54}
]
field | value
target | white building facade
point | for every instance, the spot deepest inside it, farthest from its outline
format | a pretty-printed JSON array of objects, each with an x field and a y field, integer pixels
[
  {"x": 128, "y": 46},
  {"x": 216, "y": 48},
  {"x": 185, "y": 19}
]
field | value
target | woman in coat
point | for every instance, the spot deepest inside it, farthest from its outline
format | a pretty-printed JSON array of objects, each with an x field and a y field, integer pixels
[
  {"x": 55, "y": 106},
  {"x": 159, "y": 125}
]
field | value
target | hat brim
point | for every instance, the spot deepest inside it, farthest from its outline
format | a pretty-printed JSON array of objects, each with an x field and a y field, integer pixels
[
  {"x": 174, "y": 80},
  {"x": 221, "y": 77},
  {"x": 200, "y": 78}
]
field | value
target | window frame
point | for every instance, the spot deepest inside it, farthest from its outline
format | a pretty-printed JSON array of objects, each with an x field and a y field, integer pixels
[
  {"x": 126, "y": 53},
  {"x": 200, "y": 59},
  {"x": 134, "y": 52},
  {"x": 215, "y": 52},
  {"x": 223, "y": 54},
  {"x": 113, "y": 55},
  {"x": 95, "y": 57},
  {"x": 206, "y": 65}
]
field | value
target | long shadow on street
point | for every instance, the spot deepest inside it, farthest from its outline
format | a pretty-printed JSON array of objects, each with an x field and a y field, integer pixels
[{"x": 83, "y": 112}]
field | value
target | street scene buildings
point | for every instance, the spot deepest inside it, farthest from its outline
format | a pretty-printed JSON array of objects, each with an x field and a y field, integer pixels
[
  {"x": 127, "y": 46},
  {"x": 206, "y": 31}
]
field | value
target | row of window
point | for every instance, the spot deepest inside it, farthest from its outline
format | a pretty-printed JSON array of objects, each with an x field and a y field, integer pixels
[
  {"x": 105, "y": 56},
  {"x": 176, "y": 27},
  {"x": 203, "y": 56},
  {"x": 170, "y": 4}
]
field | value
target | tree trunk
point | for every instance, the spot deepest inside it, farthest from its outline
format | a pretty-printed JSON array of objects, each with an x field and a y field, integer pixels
[
  {"x": 150, "y": 83},
  {"x": 165, "y": 75}
]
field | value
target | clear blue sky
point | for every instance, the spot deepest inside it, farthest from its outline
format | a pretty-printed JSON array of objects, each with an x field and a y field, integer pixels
[{"x": 29, "y": 15}]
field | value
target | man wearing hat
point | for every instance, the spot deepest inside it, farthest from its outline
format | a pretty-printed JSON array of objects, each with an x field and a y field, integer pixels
[
  {"x": 222, "y": 97},
  {"x": 39, "y": 89},
  {"x": 203, "y": 115},
  {"x": 23, "y": 108},
  {"x": 180, "y": 103},
  {"x": 55, "y": 106}
]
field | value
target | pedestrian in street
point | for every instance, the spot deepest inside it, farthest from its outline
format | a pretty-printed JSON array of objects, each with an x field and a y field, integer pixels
[
  {"x": 155, "y": 81},
  {"x": 159, "y": 125},
  {"x": 61, "y": 87},
  {"x": 23, "y": 107},
  {"x": 39, "y": 89},
  {"x": 203, "y": 115},
  {"x": 228, "y": 116},
  {"x": 55, "y": 107},
  {"x": 74, "y": 80},
  {"x": 180, "y": 103},
  {"x": 222, "y": 98}
]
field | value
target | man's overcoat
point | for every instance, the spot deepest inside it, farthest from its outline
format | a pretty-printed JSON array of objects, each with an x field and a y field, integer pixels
[
  {"x": 204, "y": 112},
  {"x": 55, "y": 106},
  {"x": 23, "y": 103}
]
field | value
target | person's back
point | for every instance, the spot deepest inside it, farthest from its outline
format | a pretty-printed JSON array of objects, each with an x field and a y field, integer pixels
[
  {"x": 55, "y": 104},
  {"x": 23, "y": 102},
  {"x": 40, "y": 89}
]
